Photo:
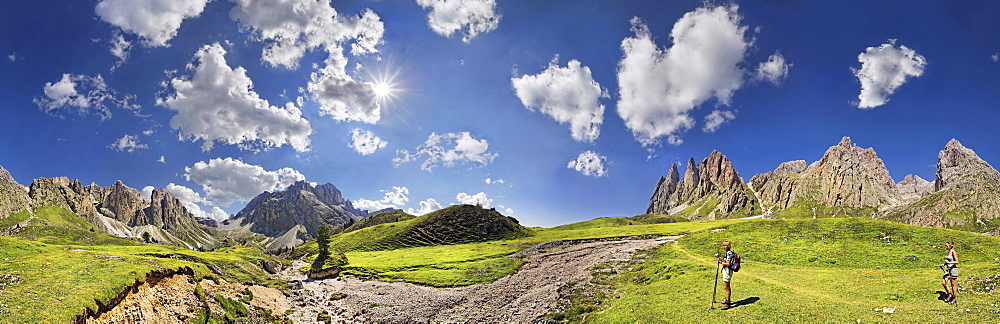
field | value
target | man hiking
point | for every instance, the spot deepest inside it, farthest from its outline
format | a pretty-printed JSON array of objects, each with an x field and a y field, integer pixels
[
  {"x": 950, "y": 273},
  {"x": 727, "y": 273}
]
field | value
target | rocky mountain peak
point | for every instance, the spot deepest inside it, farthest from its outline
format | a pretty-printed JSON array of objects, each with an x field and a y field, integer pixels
[
  {"x": 851, "y": 176},
  {"x": 300, "y": 205},
  {"x": 13, "y": 197},
  {"x": 957, "y": 165},
  {"x": 845, "y": 142},
  {"x": 61, "y": 192},
  {"x": 166, "y": 211},
  {"x": 711, "y": 189},
  {"x": 914, "y": 187}
]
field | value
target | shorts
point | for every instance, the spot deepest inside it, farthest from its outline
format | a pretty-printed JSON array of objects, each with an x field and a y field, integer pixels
[
  {"x": 950, "y": 274},
  {"x": 727, "y": 274}
]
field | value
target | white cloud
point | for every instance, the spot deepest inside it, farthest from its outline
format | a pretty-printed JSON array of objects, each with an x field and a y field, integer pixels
[
  {"x": 448, "y": 149},
  {"x": 193, "y": 202},
  {"x": 774, "y": 70},
  {"x": 128, "y": 143},
  {"x": 470, "y": 17},
  {"x": 477, "y": 199},
  {"x": 716, "y": 119},
  {"x": 883, "y": 70},
  {"x": 83, "y": 95},
  {"x": 147, "y": 192},
  {"x": 590, "y": 164},
  {"x": 568, "y": 95},
  {"x": 659, "y": 87},
  {"x": 120, "y": 48},
  {"x": 496, "y": 181},
  {"x": 292, "y": 27},
  {"x": 162, "y": 159},
  {"x": 148, "y": 132},
  {"x": 394, "y": 198},
  {"x": 154, "y": 21},
  {"x": 365, "y": 142},
  {"x": 225, "y": 181},
  {"x": 426, "y": 206},
  {"x": 218, "y": 103},
  {"x": 995, "y": 57},
  {"x": 13, "y": 57},
  {"x": 340, "y": 96}
]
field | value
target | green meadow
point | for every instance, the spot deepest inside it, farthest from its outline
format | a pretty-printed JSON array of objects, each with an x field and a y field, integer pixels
[{"x": 57, "y": 265}]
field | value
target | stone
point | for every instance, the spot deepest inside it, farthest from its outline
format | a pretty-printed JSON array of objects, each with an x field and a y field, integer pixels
[{"x": 711, "y": 189}]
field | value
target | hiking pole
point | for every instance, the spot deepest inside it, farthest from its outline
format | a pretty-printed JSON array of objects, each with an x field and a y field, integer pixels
[{"x": 716, "y": 285}]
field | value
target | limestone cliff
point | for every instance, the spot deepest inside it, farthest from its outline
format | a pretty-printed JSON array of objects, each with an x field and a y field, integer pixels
[
  {"x": 966, "y": 194},
  {"x": 847, "y": 177},
  {"x": 276, "y": 213},
  {"x": 914, "y": 187},
  {"x": 13, "y": 196},
  {"x": 711, "y": 189}
]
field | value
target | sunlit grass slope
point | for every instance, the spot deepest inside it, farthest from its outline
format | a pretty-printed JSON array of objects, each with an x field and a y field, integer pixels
[
  {"x": 818, "y": 271},
  {"x": 453, "y": 225},
  {"x": 58, "y": 264}
]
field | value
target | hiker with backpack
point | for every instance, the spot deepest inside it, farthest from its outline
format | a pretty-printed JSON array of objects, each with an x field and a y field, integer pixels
[
  {"x": 730, "y": 263},
  {"x": 950, "y": 273}
]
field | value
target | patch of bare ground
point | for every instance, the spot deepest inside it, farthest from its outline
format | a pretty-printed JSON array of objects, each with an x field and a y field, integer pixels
[{"x": 537, "y": 288}]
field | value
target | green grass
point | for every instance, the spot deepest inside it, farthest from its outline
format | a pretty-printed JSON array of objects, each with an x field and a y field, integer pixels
[
  {"x": 57, "y": 266},
  {"x": 808, "y": 208},
  {"x": 880, "y": 264}
]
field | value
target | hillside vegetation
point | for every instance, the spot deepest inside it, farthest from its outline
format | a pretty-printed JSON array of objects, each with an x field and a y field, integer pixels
[
  {"x": 453, "y": 225},
  {"x": 56, "y": 264}
]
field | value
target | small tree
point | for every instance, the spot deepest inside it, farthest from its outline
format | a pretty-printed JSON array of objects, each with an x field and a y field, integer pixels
[
  {"x": 146, "y": 237},
  {"x": 323, "y": 240}
]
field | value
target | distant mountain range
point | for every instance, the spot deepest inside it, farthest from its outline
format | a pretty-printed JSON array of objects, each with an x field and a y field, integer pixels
[{"x": 847, "y": 181}]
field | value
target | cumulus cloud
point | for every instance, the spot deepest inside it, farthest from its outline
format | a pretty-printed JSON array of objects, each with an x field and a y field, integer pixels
[
  {"x": 492, "y": 181},
  {"x": 128, "y": 143},
  {"x": 217, "y": 103},
  {"x": 568, "y": 95},
  {"x": 716, "y": 119},
  {"x": 448, "y": 149},
  {"x": 155, "y": 21},
  {"x": 394, "y": 198},
  {"x": 589, "y": 164},
  {"x": 13, "y": 57},
  {"x": 883, "y": 70},
  {"x": 225, "y": 181},
  {"x": 477, "y": 199},
  {"x": 193, "y": 202},
  {"x": 774, "y": 70},
  {"x": 292, "y": 27},
  {"x": 995, "y": 57},
  {"x": 659, "y": 87},
  {"x": 147, "y": 192},
  {"x": 426, "y": 206},
  {"x": 340, "y": 96},
  {"x": 162, "y": 159},
  {"x": 469, "y": 17},
  {"x": 82, "y": 95},
  {"x": 365, "y": 142},
  {"x": 120, "y": 48}
]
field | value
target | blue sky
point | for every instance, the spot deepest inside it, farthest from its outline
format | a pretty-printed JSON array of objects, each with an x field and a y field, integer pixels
[{"x": 441, "y": 96}]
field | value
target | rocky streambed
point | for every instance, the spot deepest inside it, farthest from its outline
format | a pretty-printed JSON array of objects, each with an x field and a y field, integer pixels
[{"x": 523, "y": 297}]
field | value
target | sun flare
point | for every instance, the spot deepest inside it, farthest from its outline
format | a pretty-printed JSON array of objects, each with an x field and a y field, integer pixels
[{"x": 382, "y": 89}]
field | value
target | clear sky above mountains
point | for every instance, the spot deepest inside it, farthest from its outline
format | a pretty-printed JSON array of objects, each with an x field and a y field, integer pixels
[{"x": 550, "y": 111}]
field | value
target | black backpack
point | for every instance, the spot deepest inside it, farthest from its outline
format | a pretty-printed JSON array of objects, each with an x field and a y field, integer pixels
[{"x": 734, "y": 264}]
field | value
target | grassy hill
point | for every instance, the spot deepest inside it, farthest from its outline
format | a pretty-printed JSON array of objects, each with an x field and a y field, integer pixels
[
  {"x": 453, "y": 225},
  {"x": 383, "y": 217},
  {"x": 56, "y": 263}
]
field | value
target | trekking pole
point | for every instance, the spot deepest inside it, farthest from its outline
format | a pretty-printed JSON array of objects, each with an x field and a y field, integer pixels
[{"x": 716, "y": 285}]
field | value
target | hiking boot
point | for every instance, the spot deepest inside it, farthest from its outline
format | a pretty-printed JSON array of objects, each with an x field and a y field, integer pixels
[
  {"x": 726, "y": 302},
  {"x": 949, "y": 299},
  {"x": 952, "y": 300},
  {"x": 725, "y": 306}
]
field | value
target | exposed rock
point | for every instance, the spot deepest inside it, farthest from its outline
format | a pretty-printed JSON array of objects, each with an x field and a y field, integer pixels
[
  {"x": 914, "y": 187},
  {"x": 711, "y": 189},
  {"x": 967, "y": 195},
  {"x": 63, "y": 193},
  {"x": 207, "y": 221},
  {"x": 275, "y": 213},
  {"x": 13, "y": 197},
  {"x": 846, "y": 176},
  {"x": 119, "y": 202}
]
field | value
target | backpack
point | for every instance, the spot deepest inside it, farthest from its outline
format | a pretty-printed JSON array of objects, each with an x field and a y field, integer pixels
[{"x": 734, "y": 264}]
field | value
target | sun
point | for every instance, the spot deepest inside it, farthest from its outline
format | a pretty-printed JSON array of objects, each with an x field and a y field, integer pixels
[{"x": 382, "y": 90}]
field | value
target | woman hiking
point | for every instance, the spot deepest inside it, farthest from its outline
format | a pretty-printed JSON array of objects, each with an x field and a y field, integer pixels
[
  {"x": 727, "y": 273},
  {"x": 950, "y": 273}
]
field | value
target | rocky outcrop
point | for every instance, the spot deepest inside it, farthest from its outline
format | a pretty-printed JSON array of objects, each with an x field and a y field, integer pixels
[
  {"x": 846, "y": 176},
  {"x": 966, "y": 194},
  {"x": 13, "y": 196},
  {"x": 275, "y": 213},
  {"x": 165, "y": 212},
  {"x": 711, "y": 189},
  {"x": 914, "y": 187},
  {"x": 63, "y": 193},
  {"x": 119, "y": 202}
]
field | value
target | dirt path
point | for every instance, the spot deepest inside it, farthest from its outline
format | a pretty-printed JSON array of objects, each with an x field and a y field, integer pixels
[{"x": 523, "y": 297}]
